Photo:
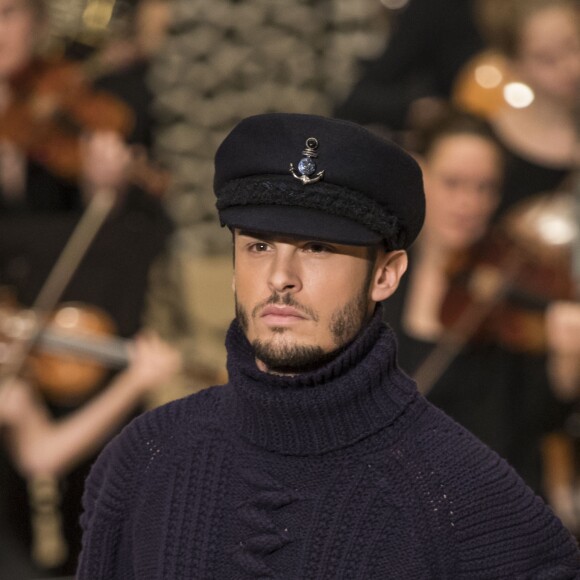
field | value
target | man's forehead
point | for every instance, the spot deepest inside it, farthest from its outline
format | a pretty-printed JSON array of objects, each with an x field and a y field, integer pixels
[
  {"x": 287, "y": 238},
  {"x": 250, "y": 233},
  {"x": 354, "y": 250}
]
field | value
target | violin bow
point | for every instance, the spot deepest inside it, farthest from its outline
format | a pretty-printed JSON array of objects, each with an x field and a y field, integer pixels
[
  {"x": 49, "y": 548},
  {"x": 576, "y": 242},
  {"x": 68, "y": 261},
  {"x": 454, "y": 338}
]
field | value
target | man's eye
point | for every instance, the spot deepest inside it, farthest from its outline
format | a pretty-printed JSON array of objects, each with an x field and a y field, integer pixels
[
  {"x": 259, "y": 247},
  {"x": 317, "y": 248}
]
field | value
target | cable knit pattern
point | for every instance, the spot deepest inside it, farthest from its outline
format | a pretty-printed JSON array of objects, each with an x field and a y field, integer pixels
[
  {"x": 343, "y": 473},
  {"x": 265, "y": 537}
]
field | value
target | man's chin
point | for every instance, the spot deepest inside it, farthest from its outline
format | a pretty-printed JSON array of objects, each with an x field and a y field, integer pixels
[{"x": 283, "y": 357}]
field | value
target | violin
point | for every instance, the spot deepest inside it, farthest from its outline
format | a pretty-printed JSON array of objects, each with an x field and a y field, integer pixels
[
  {"x": 500, "y": 289},
  {"x": 53, "y": 104},
  {"x": 71, "y": 356},
  {"x": 74, "y": 352}
]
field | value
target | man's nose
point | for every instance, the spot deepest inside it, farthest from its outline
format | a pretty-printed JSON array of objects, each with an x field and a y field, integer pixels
[{"x": 285, "y": 273}]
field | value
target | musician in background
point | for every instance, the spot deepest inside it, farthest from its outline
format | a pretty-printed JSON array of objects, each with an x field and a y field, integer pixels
[
  {"x": 541, "y": 41},
  {"x": 44, "y": 449},
  {"x": 508, "y": 399},
  {"x": 126, "y": 62},
  {"x": 37, "y": 223},
  {"x": 40, "y": 209},
  {"x": 429, "y": 42},
  {"x": 40, "y": 445},
  {"x": 48, "y": 105},
  {"x": 24, "y": 182},
  {"x": 37, "y": 179}
]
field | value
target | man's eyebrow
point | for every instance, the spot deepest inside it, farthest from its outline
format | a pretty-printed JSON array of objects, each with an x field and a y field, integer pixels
[
  {"x": 291, "y": 239},
  {"x": 257, "y": 235}
]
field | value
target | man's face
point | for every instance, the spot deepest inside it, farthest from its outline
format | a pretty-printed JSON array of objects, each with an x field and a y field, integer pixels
[{"x": 298, "y": 301}]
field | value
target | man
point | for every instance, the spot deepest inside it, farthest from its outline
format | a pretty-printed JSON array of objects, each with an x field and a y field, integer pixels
[{"x": 318, "y": 459}]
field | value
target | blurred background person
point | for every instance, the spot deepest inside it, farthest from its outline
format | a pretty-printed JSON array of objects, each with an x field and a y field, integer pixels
[
  {"x": 429, "y": 42},
  {"x": 24, "y": 182},
  {"x": 540, "y": 40},
  {"x": 533, "y": 109},
  {"x": 45, "y": 450},
  {"x": 48, "y": 103},
  {"x": 64, "y": 142}
]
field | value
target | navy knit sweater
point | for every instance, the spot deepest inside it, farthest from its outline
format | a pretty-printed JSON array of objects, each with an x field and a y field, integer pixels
[{"x": 342, "y": 473}]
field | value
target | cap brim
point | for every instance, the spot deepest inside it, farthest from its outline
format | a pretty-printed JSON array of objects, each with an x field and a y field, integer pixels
[{"x": 299, "y": 222}]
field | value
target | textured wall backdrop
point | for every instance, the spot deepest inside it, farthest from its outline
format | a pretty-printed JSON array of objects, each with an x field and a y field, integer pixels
[{"x": 227, "y": 59}]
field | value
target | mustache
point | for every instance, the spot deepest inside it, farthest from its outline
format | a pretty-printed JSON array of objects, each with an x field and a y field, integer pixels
[{"x": 285, "y": 300}]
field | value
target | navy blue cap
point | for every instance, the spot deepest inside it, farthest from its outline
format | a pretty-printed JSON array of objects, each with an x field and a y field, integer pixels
[{"x": 319, "y": 178}]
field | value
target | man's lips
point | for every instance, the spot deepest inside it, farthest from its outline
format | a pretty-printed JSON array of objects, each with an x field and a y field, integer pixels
[{"x": 281, "y": 314}]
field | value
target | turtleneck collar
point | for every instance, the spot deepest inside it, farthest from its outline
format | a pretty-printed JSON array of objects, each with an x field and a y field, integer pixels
[{"x": 358, "y": 393}]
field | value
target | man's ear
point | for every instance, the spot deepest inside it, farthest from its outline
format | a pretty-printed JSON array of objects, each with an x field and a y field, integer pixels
[{"x": 389, "y": 270}]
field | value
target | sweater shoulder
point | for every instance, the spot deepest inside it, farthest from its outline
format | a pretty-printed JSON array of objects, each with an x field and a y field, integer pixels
[
  {"x": 150, "y": 437},
  {"x": 479, "y": 503},
  {"x": 194, "y": 411},
  {"x": 165, "y": 428}
]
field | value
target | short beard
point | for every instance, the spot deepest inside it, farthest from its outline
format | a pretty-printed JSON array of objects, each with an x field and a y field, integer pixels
[
  {"x": 346, "y": 323},
  {"x": 295, "y": 359},
  {"x": 290, "y": 359}
]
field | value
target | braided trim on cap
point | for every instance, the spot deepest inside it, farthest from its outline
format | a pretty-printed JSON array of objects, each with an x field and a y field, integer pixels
[{"x": 329, "y": 198}]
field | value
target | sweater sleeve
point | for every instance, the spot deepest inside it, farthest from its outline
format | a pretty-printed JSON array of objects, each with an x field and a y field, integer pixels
[
  {"x": 110, "y": 492},
  {"x": 487, "y": 517},
  {"x": 115, "y": 484},
  {"x": 509, "y": 532}
]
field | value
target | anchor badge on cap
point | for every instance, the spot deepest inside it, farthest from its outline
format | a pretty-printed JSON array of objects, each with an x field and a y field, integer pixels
[{"x": 307, "y": 165}]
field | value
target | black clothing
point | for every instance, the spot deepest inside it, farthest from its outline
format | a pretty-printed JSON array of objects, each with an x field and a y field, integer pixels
[
  {"x": 524, "y": 178},
  {"x": 44, "y": 192},
  {"x": 113, "y": 274},
  {"x": 431, "y": 41},
  {"x": 14, "y": 552},
  {"x": 131, "y": 86}
]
